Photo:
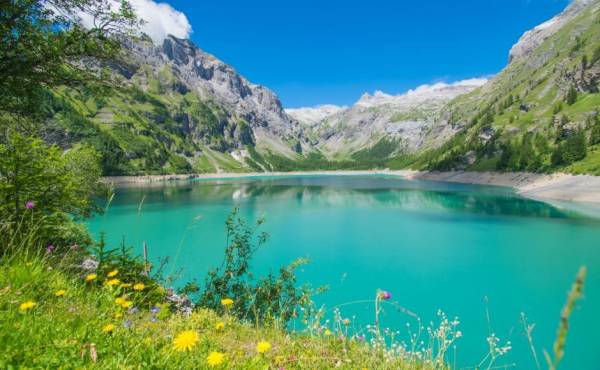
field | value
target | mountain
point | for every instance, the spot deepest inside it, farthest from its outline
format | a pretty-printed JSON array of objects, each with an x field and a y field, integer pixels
[
  {"x": 405, "y": 120},
  {"x": 180, "y": 110},
  {"x": 538, "y": 114}
]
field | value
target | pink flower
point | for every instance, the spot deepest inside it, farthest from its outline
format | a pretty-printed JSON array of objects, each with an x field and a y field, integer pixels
[
  {"x": 30, "y": 204},
  {"x": 50, "y": 248},
  {"x": 385, "y": 295}
]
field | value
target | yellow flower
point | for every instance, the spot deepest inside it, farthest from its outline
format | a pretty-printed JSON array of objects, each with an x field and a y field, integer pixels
[
  {"x": 118, "y": 315},
  {"x": 139, "y": 287},
  {"x": 26, "y": 306},
  {"x": 120, "y": 301},
  {"x": 215, "y": 359},
  {"x": 185, "y": 340},
  {"x": 220, "y": 325},
  {"x": 108, "y": 329},
  {"x": 263, "y": 347},
  {"x": 113, "y": 273},
  {"x": 112, "y": 282},
  {"x": 226, "y": 302},
  {"x": 327, "y": 332},
  {"x": 60, "y": 293},
  {"x": 125, "y": 285},
  {"x": 126, "y": 304},
  {"x": 91, "y": 277}
]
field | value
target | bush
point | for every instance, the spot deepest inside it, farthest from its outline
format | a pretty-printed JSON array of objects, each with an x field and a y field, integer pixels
[
  {"x": 43, "y": 189},
  {"x": 274, "y": 297}
]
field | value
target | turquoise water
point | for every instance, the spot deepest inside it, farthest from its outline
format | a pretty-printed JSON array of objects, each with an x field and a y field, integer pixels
[{"x": 433, "y": 245}]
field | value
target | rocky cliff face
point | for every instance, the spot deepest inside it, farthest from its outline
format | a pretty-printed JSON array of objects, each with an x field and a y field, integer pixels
[
  {"x": 535, "y": 37},
  {"x": 193, "y": 70}
]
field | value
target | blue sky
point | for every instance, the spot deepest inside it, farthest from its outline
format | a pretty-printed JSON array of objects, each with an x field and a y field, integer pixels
[{"x": 331, "y": 51}]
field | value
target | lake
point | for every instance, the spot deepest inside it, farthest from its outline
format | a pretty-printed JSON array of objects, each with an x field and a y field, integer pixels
[{"x": 432, "y": 245}]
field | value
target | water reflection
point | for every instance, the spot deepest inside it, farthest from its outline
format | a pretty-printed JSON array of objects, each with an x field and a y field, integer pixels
[{"x": 434, "y": 198}]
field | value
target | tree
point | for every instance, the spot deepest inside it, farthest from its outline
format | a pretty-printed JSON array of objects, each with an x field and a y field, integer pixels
[
  {"x": 575, "y": 147},
  {"x": 595, "y": 132},
  {"x": 571, "y": 96},
  {"x": 44, "y": 44}
]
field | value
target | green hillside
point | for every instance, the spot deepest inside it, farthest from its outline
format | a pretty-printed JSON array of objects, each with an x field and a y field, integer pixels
[{"x": 539, "y": 114}]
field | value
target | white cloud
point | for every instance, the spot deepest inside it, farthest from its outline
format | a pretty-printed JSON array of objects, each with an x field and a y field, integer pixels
[{"x": 160, "y": 20}]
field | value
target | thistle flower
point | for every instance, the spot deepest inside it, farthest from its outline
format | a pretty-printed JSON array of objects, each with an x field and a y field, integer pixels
[
  {"x": 139, "y": 287},
  {"x": 108, "y": 329},
  {"x": 113, "y": 273},
  {"x": 385, "y": 295},
  {"x": 90, "y": 277},
  {"x": 26, "y": 306},
  {"x": 186, "y": 340},
  {"x": 30, "y": 204},
  {"x": 263, "y": 347},
  {"x": 215, "y": 358},
  {"x": 226, "y": 302},
  {"x": 60, "y": 293}
]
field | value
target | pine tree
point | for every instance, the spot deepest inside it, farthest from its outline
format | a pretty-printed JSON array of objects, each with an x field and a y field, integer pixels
[
  {"x": 571, "y": 96},
  {"x": 595, "y": 133}
]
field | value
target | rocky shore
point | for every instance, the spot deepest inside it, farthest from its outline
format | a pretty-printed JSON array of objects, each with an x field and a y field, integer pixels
[{"x": 558, "y": 186}]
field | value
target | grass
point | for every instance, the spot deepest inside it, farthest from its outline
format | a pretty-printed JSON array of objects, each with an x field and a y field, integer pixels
[{"x": 70, "y": 331}]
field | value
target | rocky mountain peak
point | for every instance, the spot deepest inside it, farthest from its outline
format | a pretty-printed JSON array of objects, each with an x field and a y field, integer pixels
[{"x": 536, "y": 36}]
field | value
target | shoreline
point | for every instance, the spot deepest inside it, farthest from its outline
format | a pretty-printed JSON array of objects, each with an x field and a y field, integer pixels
[{"x": 557, "y": 186}]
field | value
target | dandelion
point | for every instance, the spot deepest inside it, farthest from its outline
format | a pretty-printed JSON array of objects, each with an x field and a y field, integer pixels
[
  {"x": 126, "y": 304},
  {"x": 30, "y": 204},
  {"x": 26, "y": 306},
  {"x": 126, "y": 285},
  {"x": 327, "y": 332},
  {"x": 226, "y": 302},
  {"x": 112, "y": 282},
  {"x": 60, "y": 293},
  {"x": 215, "y": 358},
  {"x": 90, "y": 277},
  {"x": 120, "y": 300},
  {"x": 113, "y": 273},
  {"x": 185, "y": 340},
  {"x": 139, "y": 287},
  {"x": 108, "y": 328},
  {"x": 263, "y": 347},
  {"x": 220, "y": 325}
]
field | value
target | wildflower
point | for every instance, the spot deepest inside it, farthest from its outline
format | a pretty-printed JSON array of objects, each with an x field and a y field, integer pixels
[
  {"x": 108, "y": 328},
  {"x": 226, "y": 302},
  {"x": 127, "y": 324},
  {"x": 120, "y": 301},
  {"x": 346, "y": 322},
  {"x": 49, "y": 248},
  {"x": 26, "y": 306},
  {"x": 126, "y": 285},
  {"x": 118, "y": 315},
  {"x": 126, "y": 304},
  {"x": 327, "y": 332},
  {"x": 30, "y": 204},
  {"x": 220, "y": 325},
  {"x": 113, "y": 273},
  {"x": 60, "y": 293},
  {"x": 90, "y": 277},
  {"x": 155, "y": 309},
  {"x": 215, "y": 359},
  {"x": 112, "y": 282},
  {"x": 139, "y": 287},
  {"x": 385, "y": 295},
  {"x": 185, "y": 340},
  {"x": 133, "y": 310},
  {"x": 263, "y": 347}
]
